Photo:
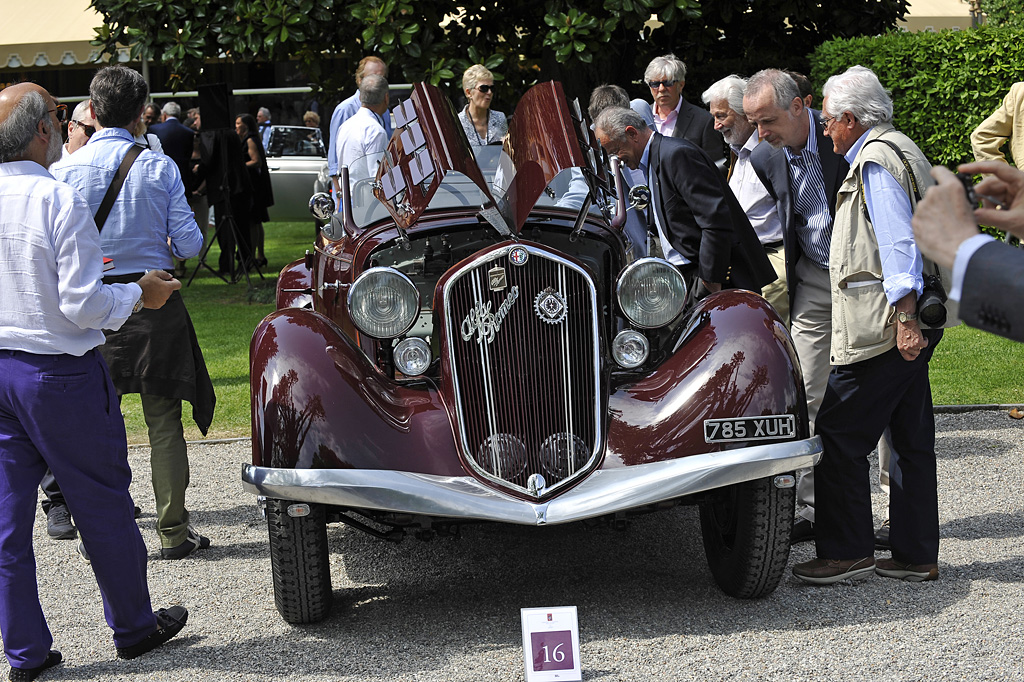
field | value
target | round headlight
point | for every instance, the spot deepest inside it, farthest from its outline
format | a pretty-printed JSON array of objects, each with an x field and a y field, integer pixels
[
  {"x": 651, "y": 292},
  {"x": 383, "y": 303},
  {"x": 630, "y": 348},
  {"x": 412, "y": 356}
]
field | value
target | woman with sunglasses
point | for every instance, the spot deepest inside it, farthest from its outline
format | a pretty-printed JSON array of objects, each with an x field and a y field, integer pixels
[{"x": 482, "y": 124}]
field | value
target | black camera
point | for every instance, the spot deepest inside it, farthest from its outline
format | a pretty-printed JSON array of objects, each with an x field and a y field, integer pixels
[{"x": 931, "y": 308}]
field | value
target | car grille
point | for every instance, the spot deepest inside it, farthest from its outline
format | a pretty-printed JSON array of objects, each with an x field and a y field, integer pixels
[{"x": 522, "y": 338}]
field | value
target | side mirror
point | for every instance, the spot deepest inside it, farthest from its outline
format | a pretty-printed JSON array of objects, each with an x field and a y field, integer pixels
[
  {"x": 321, "y": 205},
  {"x": 639, "y": 196}
]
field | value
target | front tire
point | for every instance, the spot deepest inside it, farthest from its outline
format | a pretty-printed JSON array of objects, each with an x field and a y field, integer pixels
[
  {"x": 299, "y": 559},
  {"x": 746, "y": 530}
]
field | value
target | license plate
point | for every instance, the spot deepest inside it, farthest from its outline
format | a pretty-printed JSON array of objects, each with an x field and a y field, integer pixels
[{"x": 768, "y": 427}]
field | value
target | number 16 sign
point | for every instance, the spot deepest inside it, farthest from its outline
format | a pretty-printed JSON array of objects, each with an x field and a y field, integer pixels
[{"x": 551, "y": 644}]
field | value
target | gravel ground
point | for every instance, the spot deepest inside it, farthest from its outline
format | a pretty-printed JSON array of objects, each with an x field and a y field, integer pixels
[{"x": 648, "y": 608}]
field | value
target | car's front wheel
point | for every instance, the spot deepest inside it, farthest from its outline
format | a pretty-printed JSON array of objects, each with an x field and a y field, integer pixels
[
  {"x": 746, "y": 530},
  {"x": 299, "y": 559}
]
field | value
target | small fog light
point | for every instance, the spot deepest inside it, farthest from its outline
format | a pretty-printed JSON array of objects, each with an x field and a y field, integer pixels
[
  {"x": 784, "y": 481},
  {"x": 630, "y": 348},
  {"x": 412, "y": 356},
  {"x": 298, "y": 510}
]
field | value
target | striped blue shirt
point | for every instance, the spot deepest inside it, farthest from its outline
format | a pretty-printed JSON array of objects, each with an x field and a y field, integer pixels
[
  {"x": 150, "y": 208},
  {"x": 810, "y": 200}
]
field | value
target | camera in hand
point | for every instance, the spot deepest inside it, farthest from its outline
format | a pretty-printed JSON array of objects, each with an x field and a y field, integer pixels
[
  {"x": 931, "y": 308},
  {"x": 968, "y": 182}
]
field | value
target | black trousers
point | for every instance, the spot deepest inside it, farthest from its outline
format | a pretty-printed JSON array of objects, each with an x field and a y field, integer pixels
[{"x": 860, "y": 401}]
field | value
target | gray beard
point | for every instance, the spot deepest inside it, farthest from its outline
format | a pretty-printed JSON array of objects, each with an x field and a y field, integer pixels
[{"x": 55, "y": 149}]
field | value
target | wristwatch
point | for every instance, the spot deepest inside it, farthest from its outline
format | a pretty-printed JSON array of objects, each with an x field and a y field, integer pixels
[
  {"x": 906, "y": 317},
  {"x": 140, "y": 303}
]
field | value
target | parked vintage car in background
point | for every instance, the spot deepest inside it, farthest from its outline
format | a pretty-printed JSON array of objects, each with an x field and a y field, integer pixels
[
  {"x": 294, "y": 157},
  {"x": 471, "y": 341}
]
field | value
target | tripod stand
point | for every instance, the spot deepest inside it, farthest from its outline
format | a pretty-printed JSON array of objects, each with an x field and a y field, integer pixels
[{"x": 223, "y": 170}]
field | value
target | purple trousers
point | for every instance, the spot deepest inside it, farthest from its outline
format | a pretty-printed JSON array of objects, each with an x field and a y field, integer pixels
[{"x": 61, "y": 412}]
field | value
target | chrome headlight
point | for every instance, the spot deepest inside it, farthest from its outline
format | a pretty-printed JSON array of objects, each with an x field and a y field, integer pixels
[
  {"x": 383, "y": 303},
  {"x": 630, "y": 348},
  {"x": 651, "y": 292},
  {"x": 412, "y": 356}
]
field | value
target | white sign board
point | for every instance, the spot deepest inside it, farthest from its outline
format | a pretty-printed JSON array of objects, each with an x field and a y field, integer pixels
[{"x": 551, "y": 644}]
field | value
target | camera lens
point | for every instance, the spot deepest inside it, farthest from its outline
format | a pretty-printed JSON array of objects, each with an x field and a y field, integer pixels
[{"x": 930, "y": 309}]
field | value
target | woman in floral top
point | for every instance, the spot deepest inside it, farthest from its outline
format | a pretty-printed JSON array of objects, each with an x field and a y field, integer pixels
[{"x": 482, "y": 124}]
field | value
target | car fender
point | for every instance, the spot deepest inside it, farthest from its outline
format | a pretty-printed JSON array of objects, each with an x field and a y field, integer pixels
[
  {"x": 734, "y": 359},
  {"x": 318, "y": 402},
  {"x": 294, "y": 285}
]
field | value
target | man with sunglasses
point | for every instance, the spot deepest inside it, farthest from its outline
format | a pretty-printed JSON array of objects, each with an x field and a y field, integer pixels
[
  {"x": 81, "y": 126},
  {"x": 57, "y": 405},
  {"x": 673, "y": 115}
]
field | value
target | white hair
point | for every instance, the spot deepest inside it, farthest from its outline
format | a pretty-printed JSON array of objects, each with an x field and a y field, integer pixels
[
  {"x": 731, "y": 89},
  {"x": 19, "y": 128},
  {"x": 668, "y": 66},
  {"x": 859, "y": 92}
]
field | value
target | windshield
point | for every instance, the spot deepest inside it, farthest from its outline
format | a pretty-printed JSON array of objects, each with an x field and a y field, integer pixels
[
  {"x": 295, "y": 141},
  {"x": 567, "y": 190}
]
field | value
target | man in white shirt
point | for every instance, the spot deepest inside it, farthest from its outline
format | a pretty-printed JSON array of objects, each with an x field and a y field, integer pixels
[
  {"x": 725, "y": 100},
  {"x": 362, "y": 136},
  {"x": 58, "y": 407}
]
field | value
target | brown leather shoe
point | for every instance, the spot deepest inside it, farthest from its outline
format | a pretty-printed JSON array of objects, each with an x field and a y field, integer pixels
[
  {"x": 915, "y": 573},
  {"x": 828, "y": 571}
]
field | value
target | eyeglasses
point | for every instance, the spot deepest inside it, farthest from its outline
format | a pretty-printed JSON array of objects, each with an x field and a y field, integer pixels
[
  {"x": 62, "y": 112},
  {"x": 654, "y": 85},
  {"x": 485, "y": 88},
  {"x": 828, "y": 120},
  {"x": 87, "y": 129}
]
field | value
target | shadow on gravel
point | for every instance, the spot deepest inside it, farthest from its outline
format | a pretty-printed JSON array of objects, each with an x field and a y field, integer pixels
[
  {"x": 994, "y": 526},
  {"x": 960, "y": 446},
  {"x": 650, "y": 581}
]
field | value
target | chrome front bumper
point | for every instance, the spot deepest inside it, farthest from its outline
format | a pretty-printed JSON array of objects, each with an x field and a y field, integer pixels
[{"x": 462, "y": 497}]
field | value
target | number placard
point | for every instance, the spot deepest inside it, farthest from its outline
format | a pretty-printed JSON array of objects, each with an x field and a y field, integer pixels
[{"x": 551, "y": 644}]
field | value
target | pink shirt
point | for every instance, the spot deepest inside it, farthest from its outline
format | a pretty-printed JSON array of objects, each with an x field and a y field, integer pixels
[{"x": 667, "y": 125}]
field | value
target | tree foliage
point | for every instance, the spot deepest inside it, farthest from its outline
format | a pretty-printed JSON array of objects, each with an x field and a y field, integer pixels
[
  {"x": 1007, "y": 13},
  {"x": 581, "y": 42}
]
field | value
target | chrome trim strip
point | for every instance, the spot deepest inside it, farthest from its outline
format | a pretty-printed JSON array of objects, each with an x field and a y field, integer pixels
[{"x": 462, "y": 497}]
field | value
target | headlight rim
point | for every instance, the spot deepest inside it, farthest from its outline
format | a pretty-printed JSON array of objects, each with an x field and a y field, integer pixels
[
  {"x": 628, "y": 272},
  {"x": 354, "y": 289}
]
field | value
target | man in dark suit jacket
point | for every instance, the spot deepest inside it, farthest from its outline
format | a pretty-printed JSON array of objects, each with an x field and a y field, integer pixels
[
  {"x": 177, "y": 141},
  {"x": 673, "y": 115},
  {"x": 702, "y": 228},
  {"x": 988, "y": 276},
  {"x": 803, "y": 173}
]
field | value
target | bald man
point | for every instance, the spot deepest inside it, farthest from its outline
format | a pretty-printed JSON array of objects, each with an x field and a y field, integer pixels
[{"x": 52, "y": 308}]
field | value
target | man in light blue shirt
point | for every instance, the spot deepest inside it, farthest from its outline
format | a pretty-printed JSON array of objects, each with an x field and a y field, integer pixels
[
  {"x": 155, "y": 353},
  {"x": 264, "y": 124},
  {"x": 348, "y": 108}
]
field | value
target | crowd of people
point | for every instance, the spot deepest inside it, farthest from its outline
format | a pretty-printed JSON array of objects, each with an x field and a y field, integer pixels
[{"x": 818, "y": 210}]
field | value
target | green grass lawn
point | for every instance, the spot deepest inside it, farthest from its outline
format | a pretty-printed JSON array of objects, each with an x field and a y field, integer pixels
[{"x": 969, "y": 366}]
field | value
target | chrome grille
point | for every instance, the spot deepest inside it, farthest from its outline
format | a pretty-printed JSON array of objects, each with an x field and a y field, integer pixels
[{"x": 522, "y": 343}]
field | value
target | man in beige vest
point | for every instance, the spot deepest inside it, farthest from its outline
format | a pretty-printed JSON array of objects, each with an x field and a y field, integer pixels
[{"x": 879, "y": 352}]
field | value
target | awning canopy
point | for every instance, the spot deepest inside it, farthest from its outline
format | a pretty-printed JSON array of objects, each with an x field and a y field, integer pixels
[
  {"x": 936, "y": 15},
  {"x": 53, "y": 33}
]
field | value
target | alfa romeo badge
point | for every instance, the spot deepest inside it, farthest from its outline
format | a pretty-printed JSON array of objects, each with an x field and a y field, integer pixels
[{"x": 518, "y": 256}]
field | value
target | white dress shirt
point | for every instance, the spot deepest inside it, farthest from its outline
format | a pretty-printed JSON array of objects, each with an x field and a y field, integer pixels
[
  {"x": 52, "y": 300},
  {"x": 359, "y": 137},
  {"x": 753, "y": 196}
]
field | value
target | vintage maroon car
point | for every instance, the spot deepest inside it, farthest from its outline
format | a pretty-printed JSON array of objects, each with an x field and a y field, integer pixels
[{"x": 471, "y": 341}]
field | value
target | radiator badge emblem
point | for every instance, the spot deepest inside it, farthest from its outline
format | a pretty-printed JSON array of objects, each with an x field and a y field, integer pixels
[
  {"x": 496, "y": 279},
  {"x": 484, "y": 324},
  {"x": 550, "y": 306},
  {"x": 518, "y": 256}
]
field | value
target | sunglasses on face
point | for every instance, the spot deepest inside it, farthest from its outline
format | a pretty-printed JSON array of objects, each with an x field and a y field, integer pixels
[
  {"x": 486, "y": 89},
  {"x": 87, "y": 129},
  {"x": 654, "y": 85},
  {"x": 61, "y": 110}
]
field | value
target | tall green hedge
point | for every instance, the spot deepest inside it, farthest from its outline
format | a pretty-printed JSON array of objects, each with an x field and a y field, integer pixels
[{"x": 943, "y": 84}]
